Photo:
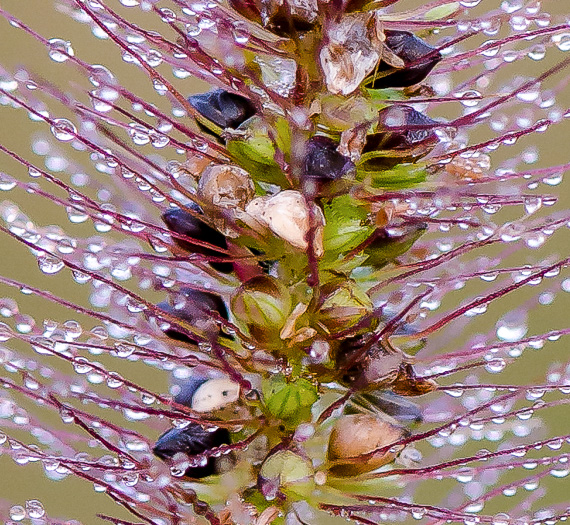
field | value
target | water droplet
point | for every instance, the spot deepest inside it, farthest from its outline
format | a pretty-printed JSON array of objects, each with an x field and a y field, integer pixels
[
  {"x": 8, "y": 83},
  {"x": 139, "y": 134},
  {"x": 60, "y": 50},
  {"x": 535, "y": 240},
  {"x": 6, "y": 182},
  {"x": 17, "y": 513},
  {"x": 501, "y": 519},
  {"x": 469, "y": 98},
  {"x": 532, "y": 204},
  {"x": 167, "y": 15},
  {"x": 130, "y": 479},
  {"x": 153, "y": 58},
  {"x": 562, "y": 41},
  {"x": 158, "y": 140},
  {"x": 160, "y": 88},
  {"x": 477, "y": 310},
  {"x": 537, "y": 52},
  {"x": 531, "y": 485},
  {"x": 476, "y": 506},
  {"x": 35, "y": 509},
  {"x": 464, "y": 475},
  {"x": 63, "y": 130},
  {"x": 49, "y": 264},
  {"x": 553, "y": 180},
  {"x": 495, "y": 366},
  {"x": 114, "y": 380},
  {"x": 454, "y": 392},
  {"x": 240, "y": 32},
  {"x": 510, "y": 332},
  {"x": 81, "y": 365},
  {"x": 124, "y": 349},
  {"x": 525, "y": 415},
  {"x": 529, "y": 95},
  {"x": 148, "y": 399},
  {"x": 509, "y": 491}
]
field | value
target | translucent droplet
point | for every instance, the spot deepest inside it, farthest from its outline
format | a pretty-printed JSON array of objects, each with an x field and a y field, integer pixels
[
  {"x": 148, "y": 399},
  {"x": 464, "y": 475},
  {"x": 495, "y": 366},
  {"x": 8, "y": 84},
  {"x": 130, "y": 480},
  {"x": 501, "y": 519},
  {"x": 124, "y": 349},
  {"x": 160, "y": 88},
  {"x": 532, "y": 204},
  {"x": 50, "y": 265},
  {"x": 510, "y": 332},
  {"x": 17, "y": 513},
  {"x": 139, "y": 134},
  {"x": 35, "y": 509},
  {"x": 509, "y": 491},
  {"x": 537, "y": 52},
  {"x": 60, "y": 50},
  {"x": 153, "y": 58},
  {"x": 525, "y": 415},
  {"x": 241, "y": 34},
  {"x": 81, "y": 365},
  {"x": 562, "y": 41},
  {"x": 476, "y": 506},
  {"x": 454, "y": 392},
  {"x": 6, "y": 182},
  {"x": 553, "y": 180},
  {"x": 63, "y": 130},
  {"x": 469, "y": 98},
  {"x": 167, "y": 15}
]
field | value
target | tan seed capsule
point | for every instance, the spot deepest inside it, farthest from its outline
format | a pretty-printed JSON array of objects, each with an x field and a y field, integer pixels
[
  {"x": 356, "y": 435},
  {"x": 354, "y": 49},
  {"x": 226, "y": 187},
  {"x": 288, "y": 216}
]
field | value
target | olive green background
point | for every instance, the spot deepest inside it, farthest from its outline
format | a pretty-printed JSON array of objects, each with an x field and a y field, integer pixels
[{"x": 76, "y": 499}]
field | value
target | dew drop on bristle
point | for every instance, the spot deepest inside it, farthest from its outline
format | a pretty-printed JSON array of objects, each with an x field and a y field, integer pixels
[
  {"x": 35, "y": 509},
  {"x": 17, "y": 513},
  {"x": 60, "y": 50},
  {"x": 63, "y": 130}
]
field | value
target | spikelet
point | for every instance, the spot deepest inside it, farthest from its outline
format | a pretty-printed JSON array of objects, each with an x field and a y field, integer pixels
[{"x": 290, "y": 268}]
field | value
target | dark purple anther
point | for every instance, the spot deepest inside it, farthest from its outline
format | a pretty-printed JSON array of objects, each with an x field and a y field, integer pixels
[
  {"x": 191, "y": 440},
  {"x": 183, "y": 223},
  {"x": 225, "y": 109},
  {"x": 418, "y": 56},
  {"x": 196, "y": 311},
  {"x": 322, "y": 160}
]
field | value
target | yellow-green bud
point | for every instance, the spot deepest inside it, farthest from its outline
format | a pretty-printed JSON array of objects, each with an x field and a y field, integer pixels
[
  {"x": 284, "y": 470},
  {"x": 289, "y": 401},
  {"x": 262, "y": 304},
  {"x": 344, "y": 305},
  {"x": 254, "y": 148}
]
